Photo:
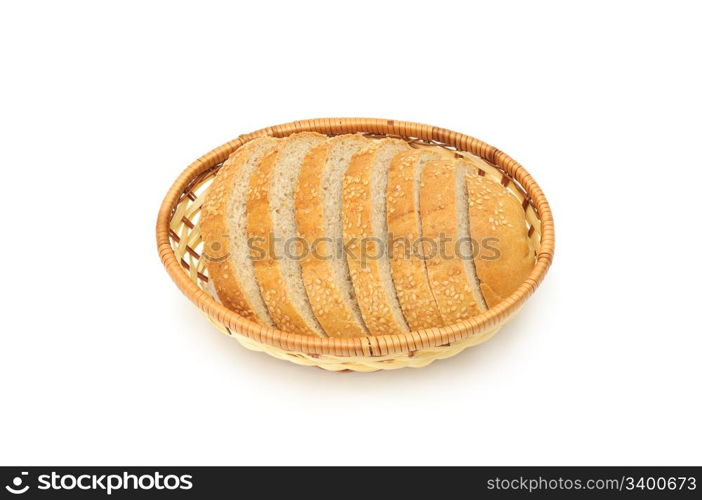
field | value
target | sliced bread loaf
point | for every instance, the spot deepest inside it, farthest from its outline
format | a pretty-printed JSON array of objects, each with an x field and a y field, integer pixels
[
  {"x": 325, "y": 271},
  {"x": 443, "y": 200},
  {"x": 272, "y": 233},
  {"x": 407, "y": 259},
  {"x": 365, "y": 236},
  {"x": 223, "y": 227}
]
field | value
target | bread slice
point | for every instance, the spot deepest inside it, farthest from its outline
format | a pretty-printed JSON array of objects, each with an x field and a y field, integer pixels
[
  {"x": 443, "y": 200},
  {"x": 365, "y": 237},
  {"x": 272, "y": 232},
  {"x": 498, "y": 226},
  {"x": 407, "y": 260},
  {"x": 325, "y": 271},
  {"x": 222, "y": 223}
]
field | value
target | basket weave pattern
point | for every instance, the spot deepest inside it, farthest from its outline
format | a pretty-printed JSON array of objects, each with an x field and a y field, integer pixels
[{"x": 180, "y": 246}]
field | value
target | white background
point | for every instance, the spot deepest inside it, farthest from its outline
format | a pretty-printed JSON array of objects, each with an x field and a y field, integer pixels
[{"x": 104, "y": 361}]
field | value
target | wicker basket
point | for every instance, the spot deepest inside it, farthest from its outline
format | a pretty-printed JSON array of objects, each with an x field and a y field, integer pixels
[{"x": 179, "y": 245}]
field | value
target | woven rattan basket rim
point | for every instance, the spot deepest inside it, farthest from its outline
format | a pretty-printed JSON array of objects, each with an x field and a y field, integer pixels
[{"x": 361, "y": 346}]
